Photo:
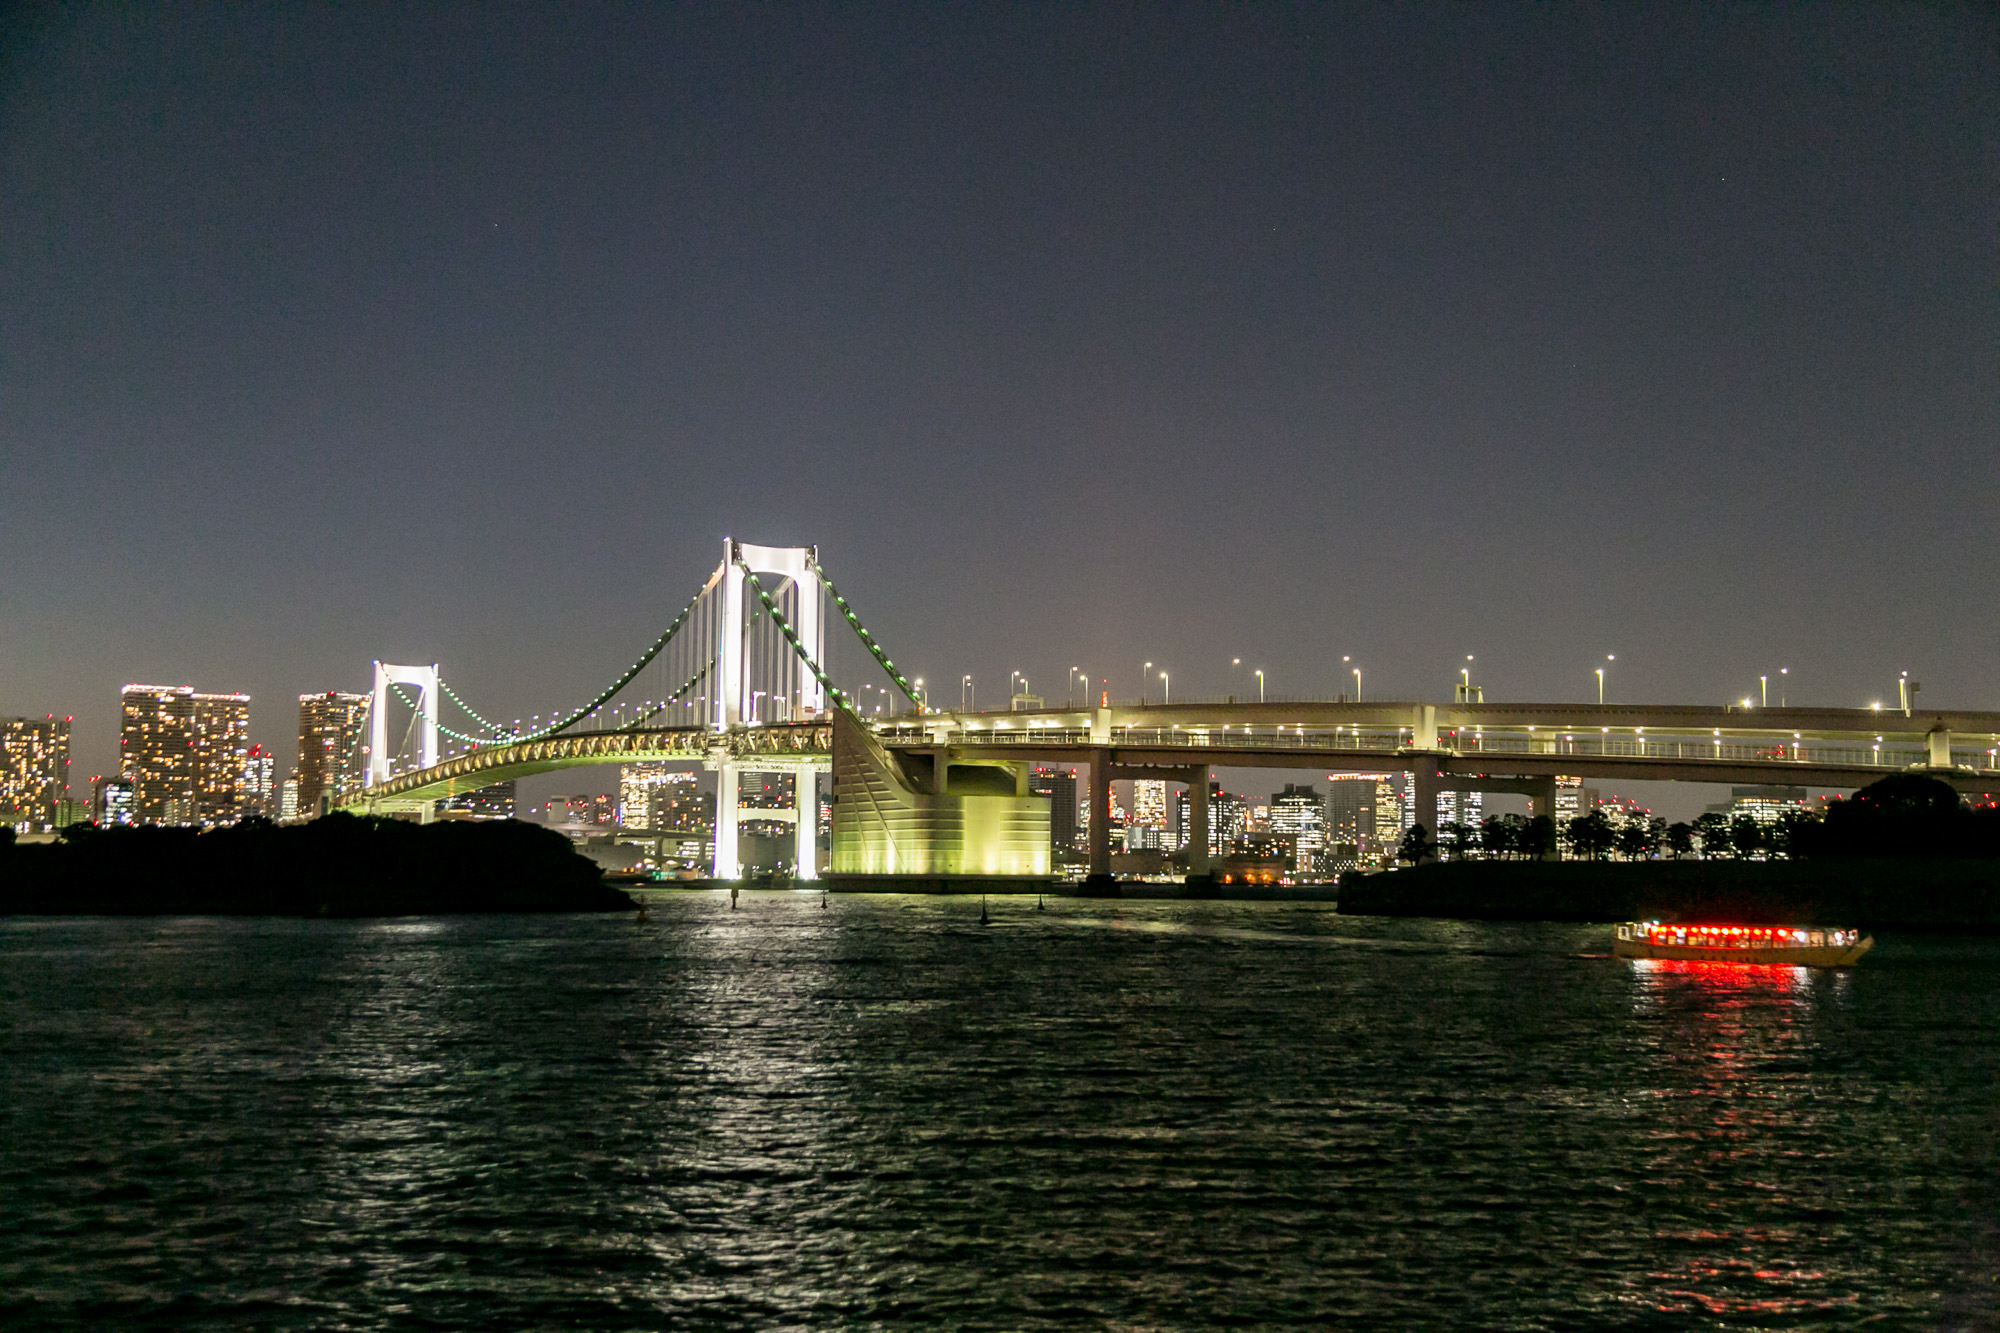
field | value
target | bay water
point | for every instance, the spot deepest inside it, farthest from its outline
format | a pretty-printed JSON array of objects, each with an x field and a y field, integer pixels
[{"x": 879, "y": 1112}]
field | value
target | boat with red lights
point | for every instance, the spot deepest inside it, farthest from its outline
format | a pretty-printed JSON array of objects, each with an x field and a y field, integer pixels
[{"x": 1795, "y": 946}]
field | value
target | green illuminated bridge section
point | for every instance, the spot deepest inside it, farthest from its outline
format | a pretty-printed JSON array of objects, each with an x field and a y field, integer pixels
[{"x": 1797, "y": 746}]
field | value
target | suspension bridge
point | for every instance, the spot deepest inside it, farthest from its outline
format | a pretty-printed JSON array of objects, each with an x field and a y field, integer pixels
[{"x": 743, "y": 679}]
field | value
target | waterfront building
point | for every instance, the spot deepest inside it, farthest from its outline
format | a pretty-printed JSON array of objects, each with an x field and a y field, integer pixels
[
  {"x": 219, "y": 752},
  {"x": 331, "y": 753},
  {"x": 1767, "y": 804},
  {"x": 1354, "y": 802},
  {"x": 763, "y": 791},
  {"x": 646, "y": 793},
  {"x": 260, "y": 795},
  {"x": 496, "y": 801},
  {"x": 1059, "y": 786},
  {"x": 1298, "y": 814},
  {"x": 184, "y": 752},
  {"x": 153, "y": 749},
  {"x": 111, "y": 801},
  {"x": 34, "y": 772},
  {"x": 1453, "y": 807},
  {"x": 1146, "y": 830}
]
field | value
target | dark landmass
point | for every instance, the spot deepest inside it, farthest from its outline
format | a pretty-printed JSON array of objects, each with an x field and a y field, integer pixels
[
  {"x": 1930, "y": 894},
  {"x": 341, "y": 865}
]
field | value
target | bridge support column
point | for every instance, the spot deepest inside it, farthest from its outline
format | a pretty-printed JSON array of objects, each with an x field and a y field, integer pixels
[
  {"x": 1940, "y": 748},
  {"x": 805, "y": 806},
  {"x": 1429, "y": 783},
  {"x": 1197, "y": 852},
  {"x": 1100, "y": 812},
  {"x": 726, "y": 865},
  {"x": 1542, "y": 800}
]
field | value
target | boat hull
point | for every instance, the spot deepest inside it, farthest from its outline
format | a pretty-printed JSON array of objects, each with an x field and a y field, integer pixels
[{"x": 1822, "y": 956}]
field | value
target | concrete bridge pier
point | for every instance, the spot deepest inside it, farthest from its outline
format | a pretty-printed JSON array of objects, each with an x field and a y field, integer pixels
[
  {"x": 805, "y": 808},
  {"x": 1939, "y": 743},
  {"x": 1542, "y": 798},
  {"x": 727, "y": 864},
  {"x": 1429, "y": 784},
  {"x": 1197, "y": 851},
  {"x": 1100, "y": 812}
]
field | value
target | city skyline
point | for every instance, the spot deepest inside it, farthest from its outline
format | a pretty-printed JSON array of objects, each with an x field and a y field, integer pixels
[{"x": 1282, "y": 341}]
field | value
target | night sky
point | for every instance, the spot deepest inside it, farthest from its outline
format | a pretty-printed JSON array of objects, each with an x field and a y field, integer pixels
[{"x": 1070, "y": 334}]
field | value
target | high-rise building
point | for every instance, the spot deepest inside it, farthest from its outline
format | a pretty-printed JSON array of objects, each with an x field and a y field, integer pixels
[
  {"x": 763, "y": 791},
  {"x": 111, "y": 801},
  {"x": 331, "y": 753},
  {"x": 1354, "y": 804},
  {"x": 288, "y": 798},
  {"x": 154, "y": 751},
  {"x": 260, "y": 796},
  {"x": 1146, "y": 828},
  {"x": 34, "y": 772},
  {"x": 219, "y": 750},
  {"x": 1298, "y": 814},
  {"x": 1059, "y": 786},
  {"x": 1767, "y": 805},
  {"x": 644, "y": 790},
  {"x": 1453, "y": 807},
  {"x": 184, "y": 753},
  {"x": 494, "y": 801}
]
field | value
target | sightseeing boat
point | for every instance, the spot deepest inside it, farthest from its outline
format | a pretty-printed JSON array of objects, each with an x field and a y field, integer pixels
[{"x": 1797, "y": 946}]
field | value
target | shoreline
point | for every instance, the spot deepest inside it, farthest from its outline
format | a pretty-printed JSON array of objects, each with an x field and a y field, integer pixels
[{"x": 1926, "y": 896}]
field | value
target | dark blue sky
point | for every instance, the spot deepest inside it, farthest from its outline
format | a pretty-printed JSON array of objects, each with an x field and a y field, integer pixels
[{"x": 1071, "y": 334}]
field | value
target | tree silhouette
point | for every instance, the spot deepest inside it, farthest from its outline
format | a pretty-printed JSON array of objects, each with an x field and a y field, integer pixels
[
  {"x": 1713, "y": 830},
  {"x": 1538, "y": 839},
  {"x": 1417, "y": 845},
  {"x": 1746, "y": 836},
  {"x": 1591, "y": 835},
  {"x": 1680, "y": 839}
]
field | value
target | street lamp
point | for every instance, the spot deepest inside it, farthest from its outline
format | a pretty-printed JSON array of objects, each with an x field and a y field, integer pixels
[
  {"x": 1609, "y": 657},
  {"x": 1167, "y": 686},
  {"x": 1260, "y": 687},
  {"x": 1069, "y": 686},
  {"x": 1782, "y": 673},
  {"x": 923, "y": 700},
  {"x": 965, "y": 694},
  {"x": 1763, "y": 691}
]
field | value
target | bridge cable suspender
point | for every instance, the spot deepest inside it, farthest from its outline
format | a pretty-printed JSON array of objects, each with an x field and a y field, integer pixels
[
  {"x": 867, "y": 640},
  {"x": 615, "y": 685},
  {"x": 669, "y": 701},
  {"x": 791, "y": 637},
  {"x": 455, "y": 735}
]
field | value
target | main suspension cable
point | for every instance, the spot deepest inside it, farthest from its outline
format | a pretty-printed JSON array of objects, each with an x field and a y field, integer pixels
[{"x": 867, "y": 639}]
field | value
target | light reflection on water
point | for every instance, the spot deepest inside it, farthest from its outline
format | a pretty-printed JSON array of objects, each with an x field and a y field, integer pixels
[{"x": 882, "y": 1112}]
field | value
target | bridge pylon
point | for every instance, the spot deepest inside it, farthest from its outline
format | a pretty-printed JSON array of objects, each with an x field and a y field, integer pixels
[{"x": 425, "y": 679}]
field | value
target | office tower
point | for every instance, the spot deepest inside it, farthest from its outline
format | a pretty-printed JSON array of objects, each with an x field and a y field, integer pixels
[
  {"x": 331, "y": 754},
  {"x": 1146, "y": 830},
  {"x": 647, "y": 795},
  {"x": 763, "y": 791},
  {"x": 1059, "y": 786},
  {"x": 260, "y": 795},
  {"x": 288, "y": 798},
  {"x": 1299, "y": 814},
  {"x": 1460, "y": 807},
  {"x": 34, "y": 772},
  {"x": 1569, "y": 799},
  {"x": 495, "y": 801},
  {"x": 1228, "y": 818},
  {"x": 111, "y": 801},
  {"x": 1352, "y": 804}
]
